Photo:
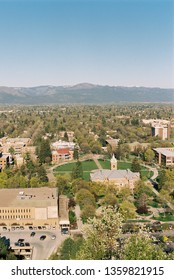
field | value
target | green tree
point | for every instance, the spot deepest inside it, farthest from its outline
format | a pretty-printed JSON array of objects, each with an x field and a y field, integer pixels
[
  {"x": 142, "y": 204},
  {"x": 101, "y": 236},
  {"x": 63, "y": 185},
  {"x": 135, "y": 166},
  {"x": 72, "y": 217},
  {"x": 3, "y": 180},
  {"x": 11, "y": 150},
  {"x": 43, "y": 151},
  {"x": 76, "y": 153},
  {"x": 88, "y": 211},
  {"x": 85, "y": 197},
  {"x": 69, "y": 249},
  {"x": 140, "y": 247},
  {"x": 149, "y": 155},
  {"x": 77, "y": 171},
  {"x": 109, "y": 199},
  {"x": 65, "y": 137},
  {"x": 42, "y": 175},
  {"x": 128, "y": 210},
  {"x": 34, "y": 182}
]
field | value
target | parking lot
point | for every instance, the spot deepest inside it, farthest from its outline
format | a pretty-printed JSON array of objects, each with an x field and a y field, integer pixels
[{"x": 42, "y": 248}]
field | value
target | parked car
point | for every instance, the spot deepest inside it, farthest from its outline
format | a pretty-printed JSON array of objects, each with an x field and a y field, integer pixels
[
  {"x": 42, "y": 237},
  {"x": 64, "y": 231},
  {"x": 20, "y": 240},
  {"x": 32, "y": 233},
  {"x": 27, "y": 244}
]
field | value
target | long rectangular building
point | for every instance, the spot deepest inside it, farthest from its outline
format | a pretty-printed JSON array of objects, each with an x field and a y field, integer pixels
[{"x": 28, "y": 207}]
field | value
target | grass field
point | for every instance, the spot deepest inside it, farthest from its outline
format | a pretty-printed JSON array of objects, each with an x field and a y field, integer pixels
[
  {"x": 89, "y": 165},
  {"x": 165, "y": 217}
]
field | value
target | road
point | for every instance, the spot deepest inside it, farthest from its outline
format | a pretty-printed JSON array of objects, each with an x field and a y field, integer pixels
[{"x": 42, "y": 249}]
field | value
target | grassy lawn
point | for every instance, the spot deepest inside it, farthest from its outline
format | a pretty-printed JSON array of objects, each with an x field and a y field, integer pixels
[
  {"x": 154, "y": 204},
  {"x": 126, "y": 165},
  {"x": 165, "y": 217},
  {"x": 87, "y": 166}
]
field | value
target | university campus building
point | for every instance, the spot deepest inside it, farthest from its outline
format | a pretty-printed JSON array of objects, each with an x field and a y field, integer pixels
[
  {"x": 28, "y": 207},
  {"x": 164, "y": 156},
  {"x": 119, "y": 178}
]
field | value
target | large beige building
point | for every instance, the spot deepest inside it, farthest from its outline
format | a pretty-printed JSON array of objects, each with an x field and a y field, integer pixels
[{"x": 29, "y": 207}]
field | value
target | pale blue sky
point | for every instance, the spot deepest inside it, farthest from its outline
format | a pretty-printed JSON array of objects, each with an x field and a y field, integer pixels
[{"x": 102, "y": 42}]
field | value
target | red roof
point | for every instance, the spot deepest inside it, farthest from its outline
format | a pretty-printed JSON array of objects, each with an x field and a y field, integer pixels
[{"x": 63, "y": 151}]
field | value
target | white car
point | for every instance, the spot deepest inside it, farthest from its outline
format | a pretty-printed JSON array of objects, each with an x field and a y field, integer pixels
[{"x": 53, "y": 237}]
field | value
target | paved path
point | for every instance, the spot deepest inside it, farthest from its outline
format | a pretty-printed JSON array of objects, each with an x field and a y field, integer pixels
[{"x": 95, "y": 159}]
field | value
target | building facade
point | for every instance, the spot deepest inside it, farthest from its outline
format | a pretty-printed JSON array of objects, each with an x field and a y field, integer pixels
[
  {"x": 29, "y": 207},
  {"x": 164, "y": 156}
]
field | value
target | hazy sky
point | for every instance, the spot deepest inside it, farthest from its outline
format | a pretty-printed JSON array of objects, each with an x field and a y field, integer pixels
[{"x": 64, "y": 42}]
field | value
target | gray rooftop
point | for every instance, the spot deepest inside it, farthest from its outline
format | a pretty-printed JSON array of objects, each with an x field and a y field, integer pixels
[
  {"x": 168, "y": 152},
  {"x": 106, "y": 174}
]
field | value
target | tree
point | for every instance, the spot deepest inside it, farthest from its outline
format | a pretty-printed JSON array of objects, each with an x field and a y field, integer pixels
[
  {"x": 85, "y": 197},
  {"x": 69, "y": 249},
  {"x": 88, "y": 212},
  {"x": 3, "y": 180},
  {"x": 140, "y": 247},
  {"x": 142, "y": 204},
  {"x": 77, "y": 171},
  {"x": 65, "y": 137},
  {"x": 128, "y": 210},
  {"x": 76, "y": 153},
  {"x": 72, "y": 217},
  {"x": 135, "y": 166},
  {"x": 42, "y": 175},
  {"x": 109, "y": 199},
  {"x": 43, "y": 151},
  {"x": 142, "y": 187},
  {"x": 63, "y": 185},
  {"x": 101, "y": 236},
  {"x": 34, "y": 182},
  {"x": 11, "y": 150},
  {"x": 149, "y": 155}
]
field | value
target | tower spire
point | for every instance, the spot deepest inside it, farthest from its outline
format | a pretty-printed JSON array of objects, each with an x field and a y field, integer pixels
[{"x": 113, "y": 162}]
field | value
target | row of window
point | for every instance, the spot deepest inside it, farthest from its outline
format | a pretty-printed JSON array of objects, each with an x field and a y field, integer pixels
[
  {"x": 15, "y": 211},
  {"x": 7, "y": 217}
]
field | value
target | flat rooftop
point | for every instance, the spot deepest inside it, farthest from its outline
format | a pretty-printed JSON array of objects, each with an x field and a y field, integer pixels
[
  {"x": 168, "y": 152},
  {"x": 29, "y": 197}
]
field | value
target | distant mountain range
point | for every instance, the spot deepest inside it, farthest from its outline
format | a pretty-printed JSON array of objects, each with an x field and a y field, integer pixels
[{"x": 83, "y": 94}]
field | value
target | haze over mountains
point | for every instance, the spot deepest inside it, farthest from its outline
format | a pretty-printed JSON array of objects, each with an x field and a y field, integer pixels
[{"x": 83, "y": 94}]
